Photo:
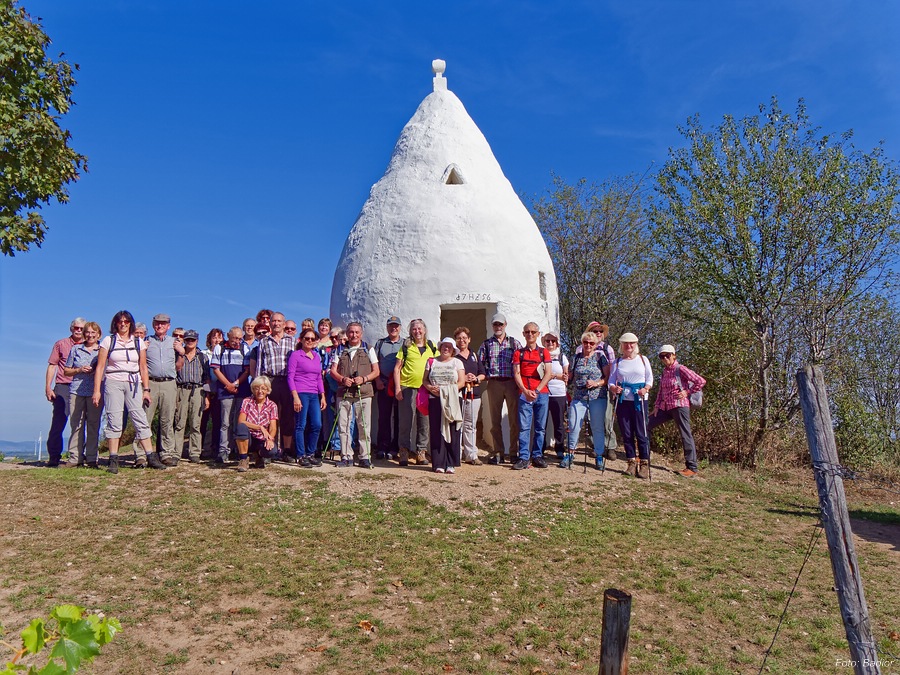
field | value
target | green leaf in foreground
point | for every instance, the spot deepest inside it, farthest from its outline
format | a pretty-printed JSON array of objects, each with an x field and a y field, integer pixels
[
  {"x": 76, "y": 643},
  {"x": 35, "y": 636}
]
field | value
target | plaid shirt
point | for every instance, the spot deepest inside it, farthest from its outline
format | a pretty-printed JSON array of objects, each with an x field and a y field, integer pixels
[
  {"x": 666, "y": 398},
  {"x": 496, "y": 356},
  {"x": 261, "y": 416},
  {"x": 273, "y": 356}
]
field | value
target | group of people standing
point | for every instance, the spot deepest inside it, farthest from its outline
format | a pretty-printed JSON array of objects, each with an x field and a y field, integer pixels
[{"x": 265, "y": 391}]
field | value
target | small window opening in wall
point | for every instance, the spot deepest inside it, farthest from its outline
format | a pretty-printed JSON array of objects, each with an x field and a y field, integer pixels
[
  {"x": 542, "y": 284},
  {"x": 453, "y": 176}
]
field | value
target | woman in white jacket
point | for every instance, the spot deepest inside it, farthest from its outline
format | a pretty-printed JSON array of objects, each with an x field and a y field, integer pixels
[{"x": 631, "y": 378}]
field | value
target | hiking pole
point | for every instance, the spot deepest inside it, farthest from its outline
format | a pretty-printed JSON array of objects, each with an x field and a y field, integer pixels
[
  {"x": 331, "y": 435},
  {"x": 647, "y": 434}
]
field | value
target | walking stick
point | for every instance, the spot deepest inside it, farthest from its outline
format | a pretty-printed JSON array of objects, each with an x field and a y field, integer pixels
[{"x": 328, "y": 446}]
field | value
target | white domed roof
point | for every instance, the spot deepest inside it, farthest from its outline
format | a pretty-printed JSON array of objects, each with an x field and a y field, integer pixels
[{"x": 443, "y": 228}]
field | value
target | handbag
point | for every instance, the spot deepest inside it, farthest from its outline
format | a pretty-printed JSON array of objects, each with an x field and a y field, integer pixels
[{"x": 695, "y": 398}]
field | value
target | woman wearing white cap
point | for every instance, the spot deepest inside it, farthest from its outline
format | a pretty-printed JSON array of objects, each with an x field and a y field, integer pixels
[
  {"x": 631, "y": 378},
  {"x": 444, "y": 377},
  {"x": 676, "y": 384}
]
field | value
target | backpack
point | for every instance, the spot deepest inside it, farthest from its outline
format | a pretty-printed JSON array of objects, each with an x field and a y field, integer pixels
[
  {"x": 137, "y": 347},
  {"x": 541, "y": 367},
  {"x": 694, "y": 397},
  {"x": 405, "y": 349}
]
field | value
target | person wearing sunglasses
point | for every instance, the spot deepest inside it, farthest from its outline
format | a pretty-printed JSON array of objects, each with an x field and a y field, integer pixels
[
  {"x": 676, "y": 384},
  {"x": 56, "y": 389},
  {"x": 557, "y": 388},
  {"x": 590, "y": 373},
  {"x": 308, "y": 390},
  {"x": 631, "y": 378},
  {"x": 532, "y": 371}
]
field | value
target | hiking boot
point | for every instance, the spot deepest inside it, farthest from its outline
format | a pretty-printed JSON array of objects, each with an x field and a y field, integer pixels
[
  {"x": 566, "y": 462},
  {"x": 140, "y": 462},
  {"x": 93, "y": 465},
  {"x": 113, "y": 464},
  {"x": 243, "y": 465},
  {"x": 644, "y": 470},
  {"x": 404, "y": 457},
  {"x": 303, "y": 462},
  {"x": 494, "y": 460},
  {"x": 688, "y": 473},
  {"x": 600, "y": 463},
  {"x": 421, "y": 459},
  {"x": 474, "y": 462},
  {"x": 520, "y": 465},
  {"x": 194, "y": 460},
  {"x": 344, "y": 463},
  {"x": 154, "y": 462},
  {"x": 610, "y": 453},
  {"x": 632, "y": 468},
  {"x": 168, "y": 460},
  {"x": 539, "y": 463},
  {"x": 221, "y": 458},
  {"x": 365, "y": 464},
  {"x": 314, "y": 461},
  {"x": 381, "y": 455}
]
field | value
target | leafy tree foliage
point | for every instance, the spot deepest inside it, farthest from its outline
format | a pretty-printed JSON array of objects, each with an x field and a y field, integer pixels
[
  {"x": 36, "y": 162},
  {"x": 598, "y": 238},
  {"x": 781, "y": 230}
]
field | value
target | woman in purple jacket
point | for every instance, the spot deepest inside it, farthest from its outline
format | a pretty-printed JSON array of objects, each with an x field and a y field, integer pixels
[{"x": 304, "y": 375}]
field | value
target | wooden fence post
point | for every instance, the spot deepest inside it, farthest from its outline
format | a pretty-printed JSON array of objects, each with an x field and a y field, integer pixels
[
  {"x": 614, "y": 633},
  {"x": 836, "y": 520}
]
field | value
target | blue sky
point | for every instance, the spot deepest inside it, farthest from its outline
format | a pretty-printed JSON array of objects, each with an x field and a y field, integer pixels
[{"x": 231, "y": 146}]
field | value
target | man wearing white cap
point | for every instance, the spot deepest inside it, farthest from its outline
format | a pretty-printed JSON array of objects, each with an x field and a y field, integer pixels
[{"x": 676, "y": 384}]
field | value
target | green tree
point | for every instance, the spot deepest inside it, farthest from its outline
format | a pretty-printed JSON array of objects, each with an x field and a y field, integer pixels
[
  {"x": 598, "y": 238},
  {"x": 781, "y": 230},
  {"x": 36, "y": 162}
]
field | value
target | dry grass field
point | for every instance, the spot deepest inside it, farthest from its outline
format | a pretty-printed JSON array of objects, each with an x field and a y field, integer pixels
[{"x": 404, "y": 571}]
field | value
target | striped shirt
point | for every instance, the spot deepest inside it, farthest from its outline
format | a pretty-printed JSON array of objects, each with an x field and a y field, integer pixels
[
  {"x": 193, "y": 371},
  {"x": 273, "y": 356},
  {"x": 496, "y": 356},
  {"x": 231, "y": 362}
]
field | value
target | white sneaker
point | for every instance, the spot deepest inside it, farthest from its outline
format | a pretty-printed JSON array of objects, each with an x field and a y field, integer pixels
[
  {"x": 439, "y": 470},
  {"x": 451, "y": 470}
]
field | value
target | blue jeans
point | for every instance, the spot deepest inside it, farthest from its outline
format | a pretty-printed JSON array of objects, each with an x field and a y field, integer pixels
[
  {"x": 307, "y": 425},
  {"x": 577, "y": 410},
  {"x": 536, "y": 412}
]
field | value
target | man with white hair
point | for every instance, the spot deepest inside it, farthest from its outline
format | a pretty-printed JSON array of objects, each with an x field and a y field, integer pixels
[
  {"x": 532, "y": 370},
  {"x": 56, "y": 389}
]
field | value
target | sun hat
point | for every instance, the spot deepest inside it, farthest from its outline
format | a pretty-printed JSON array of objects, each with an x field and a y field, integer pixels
[
  {"x": 666, "y": 349},
  {"x": 628, "y": 337}
]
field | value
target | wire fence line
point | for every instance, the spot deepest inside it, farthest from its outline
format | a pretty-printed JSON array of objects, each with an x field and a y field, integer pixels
[{"x": 830, "y": 471}]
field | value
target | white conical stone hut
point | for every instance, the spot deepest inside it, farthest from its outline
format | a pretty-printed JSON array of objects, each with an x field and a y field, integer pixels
[{"x": 444, "y": 237}]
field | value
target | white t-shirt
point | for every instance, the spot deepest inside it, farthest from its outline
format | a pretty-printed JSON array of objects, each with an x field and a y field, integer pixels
[
  {"x": 122, "y": 363},
  {"x": 559, "y": 364},
  {"x": 631, "y": 371}
]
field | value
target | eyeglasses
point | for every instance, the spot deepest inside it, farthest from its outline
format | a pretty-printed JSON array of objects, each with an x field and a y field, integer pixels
[
  {"x": 531, "y": 332},
  {"x": 309, "y": 339},
  {"x": 190, "y": 339},
  {"x": 587, "y": 342},
  {"x": 497, "y": 323},
  {"x": 178, "y": 335},
  {"x": 290, "y": 330},
  {"x": 663, "y": 357},
  {"x": 550, "y": 342}
]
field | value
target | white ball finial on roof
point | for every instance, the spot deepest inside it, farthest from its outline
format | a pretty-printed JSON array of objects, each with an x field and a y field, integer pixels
[{"x": 438, "y": 66}]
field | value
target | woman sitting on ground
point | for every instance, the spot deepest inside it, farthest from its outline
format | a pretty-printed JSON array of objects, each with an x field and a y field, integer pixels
[
  {"x": 631, "y": 379},
  {"x": 589, "y": 371},
  {"x": 84, "y": 417},
  {"x": 257, "y": 424},
  {"x": 444, "y": 377}
]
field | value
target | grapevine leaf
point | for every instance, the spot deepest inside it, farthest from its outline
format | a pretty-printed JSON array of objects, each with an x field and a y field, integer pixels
[
  {"x": 34, "y": 637},
  {"x": 52, "y": 668},
  {"x": 76, "y": 643},
  {"x": 12, "y": 668},
  {"x": 66, "y": 613}
]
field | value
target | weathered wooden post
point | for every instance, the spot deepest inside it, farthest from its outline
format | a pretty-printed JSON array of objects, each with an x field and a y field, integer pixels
[
  {"x": 836, "y": 520},
  {"x": 614, "y": 633}
]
